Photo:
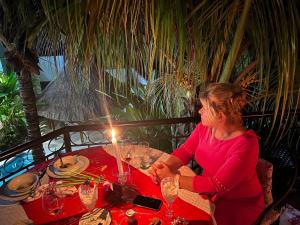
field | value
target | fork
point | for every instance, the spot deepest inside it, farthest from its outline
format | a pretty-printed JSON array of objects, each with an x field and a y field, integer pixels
[{"x": 40, "y": 176}]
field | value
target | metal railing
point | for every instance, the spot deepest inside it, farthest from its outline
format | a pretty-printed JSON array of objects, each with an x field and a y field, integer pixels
[
  {"x": 164, "y": 134},
  {"x": 20, "y": 158}
]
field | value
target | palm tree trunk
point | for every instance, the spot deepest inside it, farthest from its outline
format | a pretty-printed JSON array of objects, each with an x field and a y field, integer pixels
[{"x": 29, "y": 105}]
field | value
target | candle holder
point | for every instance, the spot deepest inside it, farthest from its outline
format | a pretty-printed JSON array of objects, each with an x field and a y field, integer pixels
[
  {"x": 116, "y": 194},
  {"x": 123, "y": 178}
]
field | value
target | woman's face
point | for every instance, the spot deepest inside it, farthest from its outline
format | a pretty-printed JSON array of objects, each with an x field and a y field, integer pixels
[{"x": 208, "y": 116}]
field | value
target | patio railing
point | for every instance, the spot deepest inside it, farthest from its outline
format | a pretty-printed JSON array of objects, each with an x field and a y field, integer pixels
[{"x": 164, "y": 134}]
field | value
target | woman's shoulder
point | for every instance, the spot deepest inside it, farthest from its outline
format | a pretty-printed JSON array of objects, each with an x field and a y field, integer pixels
[
  {"x": 248, "y": 138},
  {"x": 250, "y": 135}
]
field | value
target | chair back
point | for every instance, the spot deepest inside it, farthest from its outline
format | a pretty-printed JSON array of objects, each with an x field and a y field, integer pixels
[
  {"x": 264, "y": 170},
  {"x": 285, "y": 170}
]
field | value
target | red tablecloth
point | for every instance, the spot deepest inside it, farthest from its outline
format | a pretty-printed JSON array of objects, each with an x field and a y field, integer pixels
[{"x": 73, "y": 207}]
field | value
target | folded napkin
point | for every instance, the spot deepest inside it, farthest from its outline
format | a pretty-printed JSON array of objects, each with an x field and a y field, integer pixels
[
  {"x": 198, "y": 201},
  {"x": 62, "y": 191},
  {"x": 37, "y": 193},
  {"x": 96, "y": 217},
  {"x": 70, "y": 190},
  {"x": 39, "y": 190}
]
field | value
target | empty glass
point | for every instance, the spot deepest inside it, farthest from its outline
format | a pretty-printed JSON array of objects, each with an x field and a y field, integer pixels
[
  {"x": 126, "y": 151},
  {"x": 88, "y": 195},
  {"x": 52, "y": 201},
  {"x": 169, "y": 190},
  {"x": 143, "y": 148}
]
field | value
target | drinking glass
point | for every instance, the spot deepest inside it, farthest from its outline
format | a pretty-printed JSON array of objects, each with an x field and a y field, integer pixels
[
  {"x": 144, "y": 144},
  {"x": 144, "y": 155},
  {"x": 126, "y": 154},
  {"x": 52, "y": 201},
  {"x": 126, "y": 149},
  {"x": 88, "y": 195},
  {"x": 169, "y": 190}
]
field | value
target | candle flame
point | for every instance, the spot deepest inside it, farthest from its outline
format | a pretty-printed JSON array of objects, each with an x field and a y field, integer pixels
[
  {"x": 113, "y": 133},
  {"x": 113, "y": 137}
]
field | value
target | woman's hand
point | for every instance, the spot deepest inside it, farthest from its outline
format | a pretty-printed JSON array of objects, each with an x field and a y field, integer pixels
[
  {"x": 158, "y": 171},
  {"x": 162, "y": 170},
  {"x": 153, "y": 174}
]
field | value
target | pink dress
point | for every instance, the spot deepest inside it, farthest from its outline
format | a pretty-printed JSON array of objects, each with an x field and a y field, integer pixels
[{"x": 229, "y": 171}]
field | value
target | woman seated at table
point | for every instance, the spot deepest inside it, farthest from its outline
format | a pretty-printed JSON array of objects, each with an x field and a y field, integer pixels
[{"x": 228, "y": 154}]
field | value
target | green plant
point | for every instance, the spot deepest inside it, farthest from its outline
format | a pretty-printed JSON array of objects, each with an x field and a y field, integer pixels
[
  {"x": 12, "y": 118},
  {"x": 130, "y": 104},
  {"x": 13, "y": 124},
  {"x": 216, "y": 41},
  {"x": 8, "y": 85},
  {"x": 220, "y": 39}
]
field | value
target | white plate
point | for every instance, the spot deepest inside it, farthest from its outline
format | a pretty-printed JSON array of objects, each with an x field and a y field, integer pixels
[
  {"x": 74, "y": 168},
  {"x": 70, "y": 161},
  {"x": 5, "y": 191},
  {"x": 5, "y": 197},
  {"x": 84, "y": 165},
  {"x": 23, "y": 183},
  {"x": 9, "y": 193}
]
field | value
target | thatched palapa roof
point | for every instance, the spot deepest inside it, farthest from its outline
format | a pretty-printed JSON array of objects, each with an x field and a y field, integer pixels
[{"x": 67, "y": 99}]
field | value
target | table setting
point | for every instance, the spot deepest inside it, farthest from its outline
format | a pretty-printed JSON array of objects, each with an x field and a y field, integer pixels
[
  {"x": 97, "y": 185},
  {"x": 70, "y": 165}
]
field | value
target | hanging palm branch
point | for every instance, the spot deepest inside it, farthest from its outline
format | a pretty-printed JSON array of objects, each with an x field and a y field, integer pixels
[{"x": 177, "y": 45}]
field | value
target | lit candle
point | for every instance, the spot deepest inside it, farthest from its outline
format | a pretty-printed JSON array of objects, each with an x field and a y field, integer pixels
[{"x": 117, "y": 153}]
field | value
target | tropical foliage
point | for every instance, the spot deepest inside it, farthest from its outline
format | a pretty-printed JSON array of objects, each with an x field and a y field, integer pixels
[
  {"x": 20, "y": 22},
  {"x": 8, "y": 85},
  {"x": 184, "y": 42},
  {"x": 175, "y": 45},
  {"x": 13, "y": 122},
  {"x": 12, "y": 118}
]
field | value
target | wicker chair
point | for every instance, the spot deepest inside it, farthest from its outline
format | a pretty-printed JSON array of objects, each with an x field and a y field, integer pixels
[{"x": 285, "y": 170}]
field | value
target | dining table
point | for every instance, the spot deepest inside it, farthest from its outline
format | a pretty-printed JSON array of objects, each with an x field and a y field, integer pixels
[{"x": 192, "y": 207}]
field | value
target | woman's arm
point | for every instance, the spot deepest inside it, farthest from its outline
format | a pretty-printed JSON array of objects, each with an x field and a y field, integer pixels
[
  {"x": 186, "y": 182},
  {"x": 174, "y": 163},
  {"x": 162, "y": 169},
  {"x": 237, "y": 167},
  {"x": 204, "y": 186}
]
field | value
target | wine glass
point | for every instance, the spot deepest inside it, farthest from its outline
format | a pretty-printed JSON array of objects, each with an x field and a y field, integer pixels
[
  {"x": 169, "y": 190},
  {"x": 126, "y": 149},
  {"x": 144, "y": 155},
  {"x": 88, "y": 195},
  {"x": 52, "y": 201}
]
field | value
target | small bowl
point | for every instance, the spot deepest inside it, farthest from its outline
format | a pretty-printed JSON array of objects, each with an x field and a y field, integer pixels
[
  {"x": 23, "y": 183},
  {"x": 69, "y": 161}
]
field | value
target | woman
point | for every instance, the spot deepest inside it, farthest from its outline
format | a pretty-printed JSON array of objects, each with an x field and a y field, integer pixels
[{"x": 228, "y": 155}]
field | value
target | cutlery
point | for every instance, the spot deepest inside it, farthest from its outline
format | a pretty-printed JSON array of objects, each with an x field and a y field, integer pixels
[{"x": 62, "y": 165}]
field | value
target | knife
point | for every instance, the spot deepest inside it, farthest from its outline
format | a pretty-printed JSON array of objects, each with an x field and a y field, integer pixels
[{"x": 42, "y": 173}]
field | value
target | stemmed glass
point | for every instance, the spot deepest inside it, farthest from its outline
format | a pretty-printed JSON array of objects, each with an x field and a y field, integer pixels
[
  {"x": 88, "y": 195},
  {"x": 145, "y": 158},
  {"x": 127, "y": 153},
  {"x": 52, "y": 201},
  {"x": 169, "y": 190},
  {"x": 126, "y": 148}
]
